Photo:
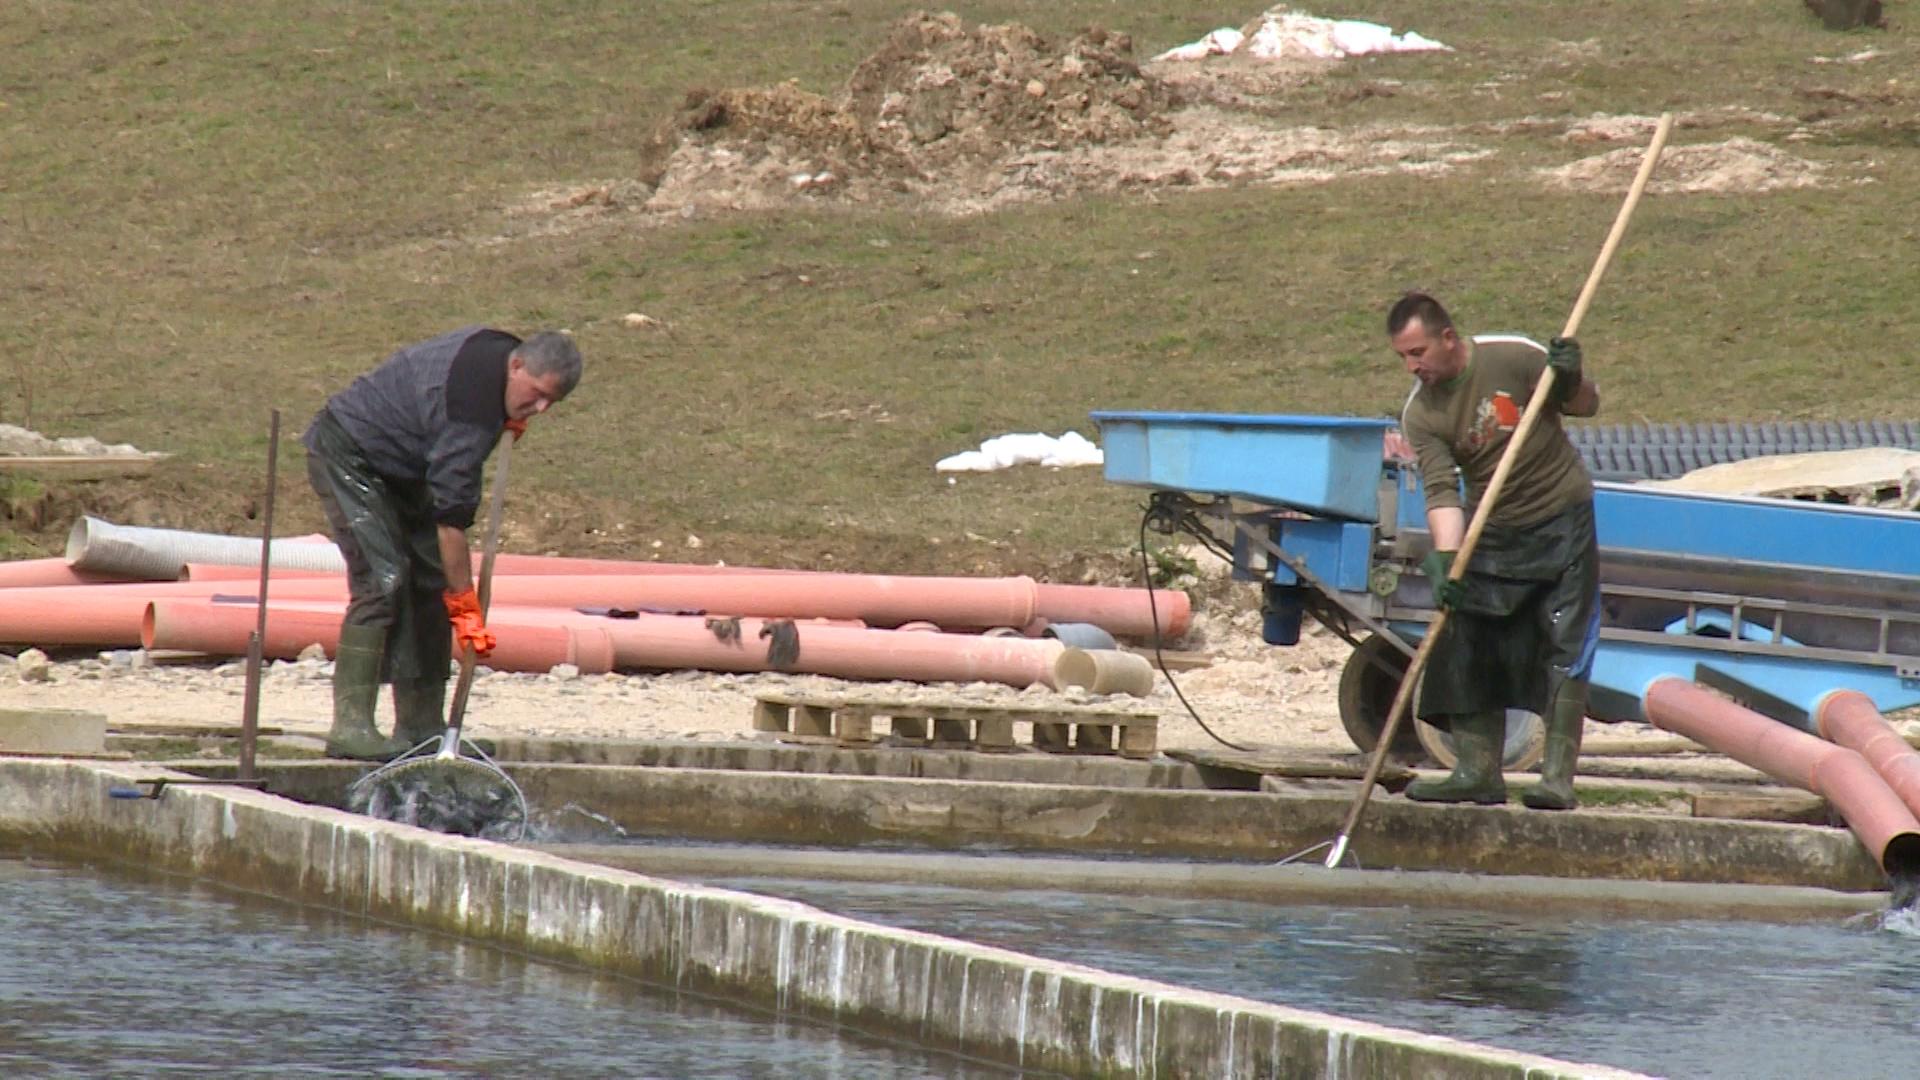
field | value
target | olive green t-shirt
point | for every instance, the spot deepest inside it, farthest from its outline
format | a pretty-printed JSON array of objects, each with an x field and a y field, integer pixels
[{"x": 1467, "y": 422}]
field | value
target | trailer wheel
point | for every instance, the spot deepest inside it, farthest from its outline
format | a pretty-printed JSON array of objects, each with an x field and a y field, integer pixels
[
  {"x": 1366, "y": 693},
  {"x": 1526, "y": 741}
]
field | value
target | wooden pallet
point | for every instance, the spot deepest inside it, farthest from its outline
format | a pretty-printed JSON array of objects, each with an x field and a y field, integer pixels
[{"x": 848, "y": 720}]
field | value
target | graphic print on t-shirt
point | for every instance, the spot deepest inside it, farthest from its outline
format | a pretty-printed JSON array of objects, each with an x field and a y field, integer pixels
[{"x": 1493, "y": 416}]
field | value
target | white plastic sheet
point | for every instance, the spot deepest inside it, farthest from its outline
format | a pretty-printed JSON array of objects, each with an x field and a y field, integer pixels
[
  {"x": 1217, "y": 43},
  {"x": 1291, "y": 34},
  {"x": 1033, "y": 448}
]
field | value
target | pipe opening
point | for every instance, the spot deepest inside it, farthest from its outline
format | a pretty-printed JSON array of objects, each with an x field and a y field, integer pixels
[
  {"x": 1901, "y": 860},
  {"x": 77, "y": 538}
]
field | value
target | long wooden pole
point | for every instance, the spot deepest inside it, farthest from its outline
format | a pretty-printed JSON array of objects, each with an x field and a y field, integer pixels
[
  {"x": 1484, "y": 511},
  {"x": 463, "y": 685}
]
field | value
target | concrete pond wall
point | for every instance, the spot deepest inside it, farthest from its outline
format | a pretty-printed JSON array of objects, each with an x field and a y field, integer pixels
[
  {"x": 943, "y": 993},
  {"x": 1122, "y": 815}
]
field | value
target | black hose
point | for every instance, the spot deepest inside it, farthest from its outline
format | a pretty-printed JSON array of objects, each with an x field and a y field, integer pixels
[{"x": 1153, "y": 611}]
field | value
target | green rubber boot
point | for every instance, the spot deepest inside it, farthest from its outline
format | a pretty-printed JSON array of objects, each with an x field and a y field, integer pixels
[
  {"x": 419, "y": 710},
  {"x": 356, "y": 686},
  {"x": 1564, "y": 728},
  {"x": 1478, "y": 739}
]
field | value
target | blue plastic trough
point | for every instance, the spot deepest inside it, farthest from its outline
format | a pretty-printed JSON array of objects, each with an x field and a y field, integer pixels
[{"x": 1326, "y": 465}]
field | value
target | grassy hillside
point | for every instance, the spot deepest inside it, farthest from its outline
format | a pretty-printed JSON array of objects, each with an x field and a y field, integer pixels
[{"x": 209, "y": 211}]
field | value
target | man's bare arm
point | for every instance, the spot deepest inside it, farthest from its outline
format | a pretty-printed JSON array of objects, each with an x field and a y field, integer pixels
[
  {"x": 455, "y": 559},
  {"x": 1448, "y": 525},
  {"x": 1584, "y": 402}
]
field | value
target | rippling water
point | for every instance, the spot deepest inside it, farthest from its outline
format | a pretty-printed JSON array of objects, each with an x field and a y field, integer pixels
[
  {"x": 105, "y": 973},
  {"x": 1740, "y": 1000}
]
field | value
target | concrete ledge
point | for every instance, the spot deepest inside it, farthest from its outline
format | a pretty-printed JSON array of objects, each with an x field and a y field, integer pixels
[
  {"x": 1297, "y": 883},
  {"x": 52, "y": 731},
  {"x": 784, "y": 808},
  {"x": 842, "y": 811},
  {"x": 905, "y": 762},
  {"x": 991, "y": 1003}
]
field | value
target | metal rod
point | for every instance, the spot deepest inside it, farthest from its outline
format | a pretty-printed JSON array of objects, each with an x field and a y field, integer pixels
[
  {"x": 1785, "y": 607},
  {"x": 1697, "y": 643},
  {"x": 256, "y": 642},
  {"x": 158, "y": 784}
]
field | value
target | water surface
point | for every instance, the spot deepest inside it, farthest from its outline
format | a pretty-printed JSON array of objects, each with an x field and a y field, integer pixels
[
  {"x": 1741, "y": 1000},
  {"x": 108, "y": 973}
]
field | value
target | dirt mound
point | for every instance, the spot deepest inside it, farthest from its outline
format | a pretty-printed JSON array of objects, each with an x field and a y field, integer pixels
[
  {"x": 1738, "y": 165},
  {"x": 940, "y": 105},
  {"x": 938, "y": 91}
]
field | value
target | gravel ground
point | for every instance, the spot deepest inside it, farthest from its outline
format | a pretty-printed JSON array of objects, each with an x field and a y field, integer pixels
[{"x": 1253, "y": 694}]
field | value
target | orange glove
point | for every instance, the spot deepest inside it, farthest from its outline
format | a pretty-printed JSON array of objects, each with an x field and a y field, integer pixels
[
  {"x": 518, "y": 427},
  {"x": 469, "y": 624}
]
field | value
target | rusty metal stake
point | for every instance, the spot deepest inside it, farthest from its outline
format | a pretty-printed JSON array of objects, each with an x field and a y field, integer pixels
[{"x": 256, "y": 641}]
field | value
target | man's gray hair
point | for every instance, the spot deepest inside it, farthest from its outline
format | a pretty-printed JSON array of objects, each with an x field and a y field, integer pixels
[{"x": 549, "y": 353}]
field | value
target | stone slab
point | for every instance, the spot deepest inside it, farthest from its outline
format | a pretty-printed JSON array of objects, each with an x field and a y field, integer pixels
[{"x": 52, "y": 731}]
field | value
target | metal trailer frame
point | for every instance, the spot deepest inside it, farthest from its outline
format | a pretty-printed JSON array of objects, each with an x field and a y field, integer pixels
[{"x": 1773, "y": 602}]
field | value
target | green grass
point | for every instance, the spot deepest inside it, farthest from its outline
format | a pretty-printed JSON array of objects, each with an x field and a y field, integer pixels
[{"x": 209, "y": 211}]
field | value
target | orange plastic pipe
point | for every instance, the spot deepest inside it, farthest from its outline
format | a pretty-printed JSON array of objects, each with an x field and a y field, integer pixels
[
  {"x": 43, "y": 573},
  {"x": 1117, "y": 611},
  {"x": 838, "y": 647},
  {"x": 107, "y": 614},
  {"x": 535, "y": 639},
  {"x": 671, "y": 642},
  {"x": 1841, "y": 776},
  {"x": 509, "y": 565},
  {"x": 874, "y": 599},
  {"x": 1848, "y": 717},
  {"x": 222, "y": 628},
  {"x": 98, "y": 615},
  {"x": 504, "y": 566},
  {"x": 40, "y": 615}
]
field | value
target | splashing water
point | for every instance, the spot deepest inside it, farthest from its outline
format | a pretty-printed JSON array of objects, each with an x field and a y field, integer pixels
[
  {"x": 1902, "y": 915},
  {"x": 574, "y": 824},
  {"x": 1906, "y": 892},
  {"x": 1900, "y": 921}
]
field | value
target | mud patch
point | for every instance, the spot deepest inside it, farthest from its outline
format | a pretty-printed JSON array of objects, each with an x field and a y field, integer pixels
[
  {"x": 1209, "y": 148},
  {"x": 1736, "y": 166},
  {"x": 1244, "y": 83}
]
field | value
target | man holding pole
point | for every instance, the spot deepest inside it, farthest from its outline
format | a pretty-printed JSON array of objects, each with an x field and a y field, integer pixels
[
  {"x": 396, "y": 459},
  {"x": 1523, "y": 620}
]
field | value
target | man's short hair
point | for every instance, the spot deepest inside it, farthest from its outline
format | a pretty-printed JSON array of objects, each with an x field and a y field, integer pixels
[
  {"x": 1418, "y": 305},
  {"x": 550, "y": 352}
]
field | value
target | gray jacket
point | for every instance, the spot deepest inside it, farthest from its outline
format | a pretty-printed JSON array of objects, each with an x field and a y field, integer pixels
[{"x": 433, "y": 411}]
